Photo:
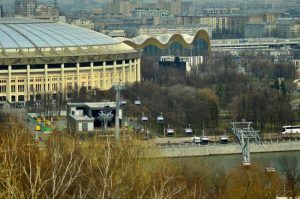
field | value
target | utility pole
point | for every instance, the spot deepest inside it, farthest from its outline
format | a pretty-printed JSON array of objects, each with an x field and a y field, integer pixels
[{"x": 118, "y": 88}]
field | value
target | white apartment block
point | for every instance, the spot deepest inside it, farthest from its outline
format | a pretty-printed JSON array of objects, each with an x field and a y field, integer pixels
[
  {"x": 149, "y": 13},
  {"x": 156, "y": 31},
  {"x": 215, "y": 22}
]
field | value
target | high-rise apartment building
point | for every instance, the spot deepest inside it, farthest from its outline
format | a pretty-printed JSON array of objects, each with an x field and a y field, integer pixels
[
  {"x": 217, "y": 23},
  {"x": 222, "y": 11},
  {"x": 187, "y": 8},
  {"x": 156, "y": 31},
  {"x": 125, "y": 7},
  {"x": 118, "y": 6},
  {"x": 44, "y": 11},
  {"x": 30, "y": 8},
  {"x": 20, "y": 7},
  {"x": 176, "y": 7},
  {"x": 1, "y": 11},
  {"x": 172, "y": 6}
]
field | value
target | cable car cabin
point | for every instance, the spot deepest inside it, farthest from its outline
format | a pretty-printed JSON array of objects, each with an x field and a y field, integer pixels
[
  {"x": 224, "y": 139},
  {"x": 170, "y": 132},
  {"x": 123, "y": 102},
  {"x": 270, "y": 170},
  {"x": 137, "y": 102},
  {"x": 188, "y": 131},
  {"x": 160, "y": 119},
  {"x": 144, "y": 119},
  {"x": 204, "y": 140}
]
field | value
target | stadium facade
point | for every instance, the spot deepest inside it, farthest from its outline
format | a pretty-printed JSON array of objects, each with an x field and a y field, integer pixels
[{"x": 40, "y": 57}]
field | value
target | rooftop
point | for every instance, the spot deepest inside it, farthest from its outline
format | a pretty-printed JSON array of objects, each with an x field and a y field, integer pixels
[
  {"x": 164, "y": 40},
  {"x": 20, "y": 33},
  {"x": 93, "y": 105},
  {"x": 82, "y": 118}
]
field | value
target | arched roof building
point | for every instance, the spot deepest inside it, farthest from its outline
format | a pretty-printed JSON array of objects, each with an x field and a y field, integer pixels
[{"x": 172, "y": 44}]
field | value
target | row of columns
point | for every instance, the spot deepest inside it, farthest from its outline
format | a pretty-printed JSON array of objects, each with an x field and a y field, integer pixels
[{"x": 133, "y": 75}]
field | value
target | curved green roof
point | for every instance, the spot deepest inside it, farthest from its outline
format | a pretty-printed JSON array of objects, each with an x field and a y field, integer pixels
[{"x": 164, "y": 40}]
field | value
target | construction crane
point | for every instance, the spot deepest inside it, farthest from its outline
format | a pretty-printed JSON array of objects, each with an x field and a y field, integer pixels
[{"x": 245, "y": 134}]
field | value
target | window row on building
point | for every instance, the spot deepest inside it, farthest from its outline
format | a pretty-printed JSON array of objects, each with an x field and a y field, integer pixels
[{"x": 15, "y": 83}]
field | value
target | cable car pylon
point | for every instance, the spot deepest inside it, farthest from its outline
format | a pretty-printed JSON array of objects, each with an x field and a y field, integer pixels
[
  {"x": 245, "y": 134},
  {"x": 118, "y": 88}
]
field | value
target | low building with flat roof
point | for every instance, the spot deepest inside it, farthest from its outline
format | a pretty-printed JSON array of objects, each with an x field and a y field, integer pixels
[
  {"x": 80, "y": 124},
  {"x": 102, "y": 113}
]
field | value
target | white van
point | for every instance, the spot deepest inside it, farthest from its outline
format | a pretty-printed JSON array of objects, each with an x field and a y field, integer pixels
[{"x": 196, "y": 140}]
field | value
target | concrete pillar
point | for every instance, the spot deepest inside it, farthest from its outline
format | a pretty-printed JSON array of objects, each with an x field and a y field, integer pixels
[
  {"x": 92, "y": 75},
  {"x": 46, "y": 82},
  {"x": 130, "y": 72},
  {"x": 50, "y": 84},
  {"x": 104, "y": 75},
  {"x": 135, "y": 70},
  {"x": 62, "y": 87},
  {"x": 123, "y": 72},
  {"x": 28, "y": 83},
  {"x": 78, "y": 75},
  {"x": 115, "y": 80},
  {"x": 138, "y": 70},
  {"x": 8, "y": 84}
]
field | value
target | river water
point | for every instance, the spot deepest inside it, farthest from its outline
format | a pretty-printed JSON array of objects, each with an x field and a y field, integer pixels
[{"x": 230, "y": 161}]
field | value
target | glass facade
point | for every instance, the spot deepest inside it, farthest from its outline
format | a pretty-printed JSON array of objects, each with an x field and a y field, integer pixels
[{"x": 197, "y": 48}]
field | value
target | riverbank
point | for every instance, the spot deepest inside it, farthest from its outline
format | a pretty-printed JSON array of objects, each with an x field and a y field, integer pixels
[{"x": 194, "y": 150}]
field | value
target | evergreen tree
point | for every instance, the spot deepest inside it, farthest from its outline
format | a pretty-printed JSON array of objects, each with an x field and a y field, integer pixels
[
  {"x": 283, "y": 88},
  {"x": 276, "y": 85}
]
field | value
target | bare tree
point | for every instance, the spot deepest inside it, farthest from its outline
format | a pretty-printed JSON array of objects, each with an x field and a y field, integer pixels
[{"x": 292, "y": 175}]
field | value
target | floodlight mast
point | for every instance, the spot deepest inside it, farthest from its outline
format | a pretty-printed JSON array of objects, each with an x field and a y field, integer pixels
[
  {"x": 245, "y": 134},
  {"x": 118, "y": 88}
]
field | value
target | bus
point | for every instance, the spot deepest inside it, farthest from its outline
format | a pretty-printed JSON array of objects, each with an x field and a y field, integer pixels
[{"x": 290, "y": 129}]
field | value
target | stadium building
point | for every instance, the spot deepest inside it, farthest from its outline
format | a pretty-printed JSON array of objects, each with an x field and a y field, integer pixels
[{"x": 40, "y": 57}]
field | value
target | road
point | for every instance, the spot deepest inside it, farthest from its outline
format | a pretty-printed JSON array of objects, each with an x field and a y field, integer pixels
[{"x": 218, "y": 144}]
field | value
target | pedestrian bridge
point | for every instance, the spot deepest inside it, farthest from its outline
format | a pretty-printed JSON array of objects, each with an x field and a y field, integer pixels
[{"x": 254, "y": 43}]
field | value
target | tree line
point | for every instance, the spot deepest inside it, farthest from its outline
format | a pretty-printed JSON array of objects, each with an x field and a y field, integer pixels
[
  {"x": 261, "y": 95},
  {"x": 180, "y": 104},
  {"x": 66, "y": 167}
]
